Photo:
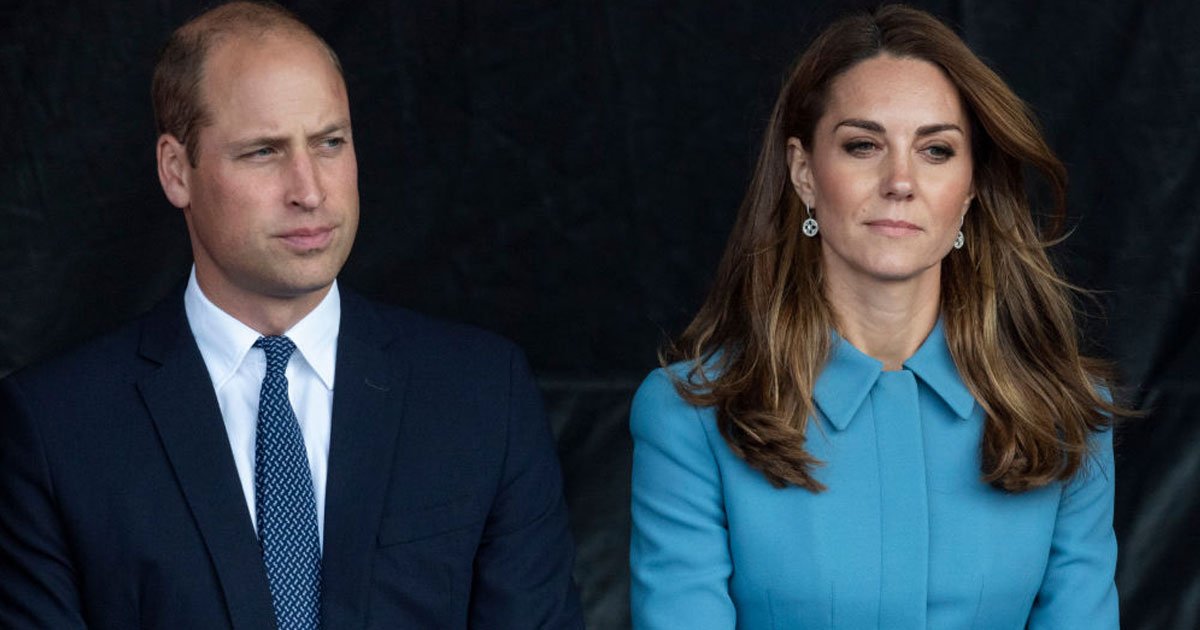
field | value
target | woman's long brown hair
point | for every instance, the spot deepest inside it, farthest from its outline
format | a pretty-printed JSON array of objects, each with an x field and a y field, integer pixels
[{"x": 763, "y": 334}]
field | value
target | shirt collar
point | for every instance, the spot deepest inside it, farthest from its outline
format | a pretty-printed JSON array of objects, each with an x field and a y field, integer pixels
[
  {"x": 849, "y": 375},
  {"x": 224, "y": 341},
  {"x": 315, "y": 336}
]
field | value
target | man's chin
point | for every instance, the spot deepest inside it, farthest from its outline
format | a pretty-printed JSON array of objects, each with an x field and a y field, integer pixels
[{"x": 300, "y": 290}]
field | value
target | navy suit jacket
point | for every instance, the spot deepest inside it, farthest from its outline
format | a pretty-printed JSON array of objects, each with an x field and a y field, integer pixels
[{"x": 120, "y": 505}]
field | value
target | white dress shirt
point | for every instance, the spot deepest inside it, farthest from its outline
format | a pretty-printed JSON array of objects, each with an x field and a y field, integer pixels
[{"x": 237, "y": 368}]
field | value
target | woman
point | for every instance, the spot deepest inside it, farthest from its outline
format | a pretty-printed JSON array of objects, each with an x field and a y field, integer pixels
[{"x": 880, "y": 416}]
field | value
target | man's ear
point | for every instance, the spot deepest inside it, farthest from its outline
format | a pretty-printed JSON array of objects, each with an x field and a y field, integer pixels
[
  {"x": 173, "y": 167},
  {"x": 800, "y": 171}
]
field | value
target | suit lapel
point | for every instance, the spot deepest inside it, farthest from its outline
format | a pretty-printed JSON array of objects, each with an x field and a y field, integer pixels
[
  {"x": 180, "y": 398},
  {"x": 368, "y": 396}
]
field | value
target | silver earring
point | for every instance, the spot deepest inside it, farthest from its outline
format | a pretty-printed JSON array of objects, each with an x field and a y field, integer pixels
[
  {"x": 959, "y": 240},
  {"x": 809, "y": 227}
]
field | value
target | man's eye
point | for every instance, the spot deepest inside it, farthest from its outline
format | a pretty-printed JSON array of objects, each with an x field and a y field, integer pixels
[
  {"x": 333, "y": 143},
  {"x": 260, "y": 152}
]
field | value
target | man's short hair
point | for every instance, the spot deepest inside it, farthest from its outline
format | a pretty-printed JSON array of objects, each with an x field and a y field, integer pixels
[{"x": 175, "y": 89}]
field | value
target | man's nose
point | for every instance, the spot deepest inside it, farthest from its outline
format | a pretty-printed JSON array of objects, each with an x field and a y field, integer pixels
[{"x": 304, "y": 187}]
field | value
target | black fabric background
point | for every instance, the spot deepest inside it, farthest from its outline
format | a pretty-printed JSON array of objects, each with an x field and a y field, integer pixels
[{"x": 565, "y": 173}]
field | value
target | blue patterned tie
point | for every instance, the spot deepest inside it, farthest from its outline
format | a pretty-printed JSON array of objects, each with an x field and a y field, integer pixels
[{"x": 286, "y": 506}]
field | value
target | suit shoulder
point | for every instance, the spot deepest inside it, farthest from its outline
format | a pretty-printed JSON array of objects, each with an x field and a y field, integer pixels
[
  {"x": 439, "y": 341},
  {"x": 109, "y": 357},
  {"x": 427, "y": 330}
]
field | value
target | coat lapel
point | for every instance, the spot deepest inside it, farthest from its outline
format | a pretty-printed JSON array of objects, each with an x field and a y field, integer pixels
[
  {"x": 180, "y": 398},
  {"x": 367, "y": 399}
]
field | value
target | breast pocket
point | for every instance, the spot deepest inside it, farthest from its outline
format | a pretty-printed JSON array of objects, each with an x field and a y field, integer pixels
[
  {"x": 421, "y": 572},
  {"x": 429, "y": 522}
]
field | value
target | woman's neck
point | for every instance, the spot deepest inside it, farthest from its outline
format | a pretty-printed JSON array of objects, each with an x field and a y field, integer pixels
[{"x": 887, "y": 320}]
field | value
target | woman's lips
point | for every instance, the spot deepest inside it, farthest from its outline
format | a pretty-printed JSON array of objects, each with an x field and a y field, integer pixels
[
  {"x": 308, "y": 238},
  {"x": 888, "y": 227}
]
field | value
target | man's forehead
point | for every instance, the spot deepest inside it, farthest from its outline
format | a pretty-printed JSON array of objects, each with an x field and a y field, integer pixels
[
  {"x": 247, "y": 48},
  {"x": 265, "y": 85},
  {"x": 246, "y": 58}
]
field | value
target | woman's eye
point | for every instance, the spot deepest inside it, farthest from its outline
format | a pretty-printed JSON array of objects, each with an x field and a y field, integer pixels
[
  {"x": 859, "y": 147},
  {"x": 939, "y": 153}
]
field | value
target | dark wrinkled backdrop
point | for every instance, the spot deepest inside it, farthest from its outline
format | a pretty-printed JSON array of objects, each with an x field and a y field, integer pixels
[{"x": 565, "y": 173}]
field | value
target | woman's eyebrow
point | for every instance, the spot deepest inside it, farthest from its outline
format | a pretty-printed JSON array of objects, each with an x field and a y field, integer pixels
[
  {"x": 868, "y": 125},
  {"x": 927, "y": 130},
  {"x": 924, "y": 130}
]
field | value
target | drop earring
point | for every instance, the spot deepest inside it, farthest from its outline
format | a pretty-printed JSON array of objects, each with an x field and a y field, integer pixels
[
  {"x": 809, "y": 227},
  {"x": 960, "y": 240}
]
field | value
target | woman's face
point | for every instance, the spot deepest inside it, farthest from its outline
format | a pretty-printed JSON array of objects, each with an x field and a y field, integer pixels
[{"x": 889, "y": 172}]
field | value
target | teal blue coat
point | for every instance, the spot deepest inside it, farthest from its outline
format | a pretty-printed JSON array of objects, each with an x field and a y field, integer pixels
[{"x": 906, "y": 536}]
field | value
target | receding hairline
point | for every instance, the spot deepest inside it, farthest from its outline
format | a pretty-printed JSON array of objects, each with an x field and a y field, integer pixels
[
  {"x": 250, "y": 41},
  {"x": 245, "y": 17},
  {"x": 176, "y": 88},
  {"x": 248, "y": 21}
]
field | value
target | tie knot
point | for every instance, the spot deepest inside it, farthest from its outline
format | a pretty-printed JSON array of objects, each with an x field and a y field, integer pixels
[{"x": 278, "y": 349}]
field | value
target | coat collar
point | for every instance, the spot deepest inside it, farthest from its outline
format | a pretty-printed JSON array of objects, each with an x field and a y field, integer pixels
[
  {"x": 849, "y": 375},
  {"x": 934, "y": 365}
]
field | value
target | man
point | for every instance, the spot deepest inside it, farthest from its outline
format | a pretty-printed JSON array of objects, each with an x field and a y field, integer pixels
[{"x": 267, "y": 449}]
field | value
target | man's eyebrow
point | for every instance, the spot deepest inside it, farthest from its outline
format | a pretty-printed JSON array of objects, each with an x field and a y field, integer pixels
[
  {"x": 278, "y": 141},
  {"x": 334, "y": 127}
]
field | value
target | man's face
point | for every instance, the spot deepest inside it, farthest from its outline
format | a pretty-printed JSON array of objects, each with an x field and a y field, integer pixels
[{"x": 272, "y": 202}]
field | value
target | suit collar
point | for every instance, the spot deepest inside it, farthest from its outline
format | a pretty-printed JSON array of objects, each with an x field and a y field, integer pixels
[
  {"x": 367, "y": 405},
  {"x": 848, "y": 376},
  {"x": 180, "y": 399},
  {"x": 367, "y": 416}
]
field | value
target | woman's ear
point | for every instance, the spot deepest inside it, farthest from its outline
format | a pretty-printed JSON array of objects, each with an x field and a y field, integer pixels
[{"x": 800, "y": 171}]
